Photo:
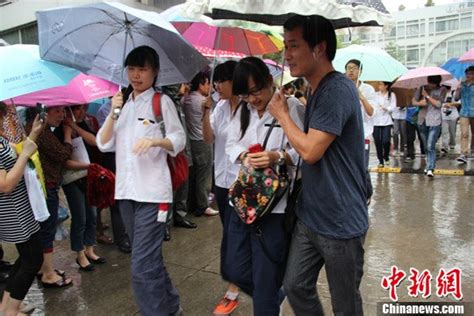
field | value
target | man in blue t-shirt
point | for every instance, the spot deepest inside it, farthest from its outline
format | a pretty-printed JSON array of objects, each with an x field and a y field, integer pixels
[{"x": 332, "y": 218}]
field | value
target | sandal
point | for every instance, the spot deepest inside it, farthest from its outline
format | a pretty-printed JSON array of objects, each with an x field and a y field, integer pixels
[
  {"x": 104, "y": 239},
  {"x": 61, "y": 273},
  {"x": 60, "y": 283}
]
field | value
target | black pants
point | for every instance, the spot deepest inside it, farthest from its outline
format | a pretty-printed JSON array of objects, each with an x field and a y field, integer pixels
[
  {"x": 26, "y": 267},
  {"x": 382, "y": 142}
]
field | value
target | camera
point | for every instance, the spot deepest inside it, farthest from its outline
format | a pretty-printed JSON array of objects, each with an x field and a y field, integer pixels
[{"x": 41, "y": 111}]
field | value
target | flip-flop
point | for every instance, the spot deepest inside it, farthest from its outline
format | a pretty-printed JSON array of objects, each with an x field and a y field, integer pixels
[
  {"x": 58, "y": 272},
  {"x": 60, "y": 283}
]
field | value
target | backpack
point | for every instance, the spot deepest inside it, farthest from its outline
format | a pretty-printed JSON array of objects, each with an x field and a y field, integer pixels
[{"x": 178, "y": 165}]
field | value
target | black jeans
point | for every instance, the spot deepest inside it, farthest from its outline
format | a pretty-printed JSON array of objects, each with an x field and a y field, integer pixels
[
  {"x": 343, "y": 260},
  {"x": 26, "y": 267}
]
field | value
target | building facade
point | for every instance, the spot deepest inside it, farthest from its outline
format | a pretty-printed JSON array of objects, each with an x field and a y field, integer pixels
[
  {"x": 18, "y": 22},
  {"x": 428, "y": 36}
]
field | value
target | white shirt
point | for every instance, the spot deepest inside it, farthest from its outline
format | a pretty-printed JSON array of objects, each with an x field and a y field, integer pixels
[
  {"x": 225, "y": 172},
  {"x": 145, "y": 178},
  {"x": 256, "y": 133},
  {"x": 369, "y": 93},
  {"x": 385, "y": 106}
]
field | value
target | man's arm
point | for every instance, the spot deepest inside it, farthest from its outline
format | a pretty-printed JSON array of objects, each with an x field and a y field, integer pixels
[{"x": 310, "y": 146}]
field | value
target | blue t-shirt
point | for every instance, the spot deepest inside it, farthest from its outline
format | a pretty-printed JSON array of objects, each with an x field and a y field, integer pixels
[
  {"x": 333, "y": 202},
  {"x": 467, "y": 100}
]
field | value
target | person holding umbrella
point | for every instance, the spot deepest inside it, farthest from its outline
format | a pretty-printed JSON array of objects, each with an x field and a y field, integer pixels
[
  {"x": 430, "y": 98},
  {"x": 143, "y": 181},
  {"x": 466, "y": 93}
]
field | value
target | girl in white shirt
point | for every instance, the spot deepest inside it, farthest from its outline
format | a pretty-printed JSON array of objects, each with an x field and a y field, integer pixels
[
  {"x": 143, "y": 181},
  {"x": 383, "y": 122},
  {"x": 258, "y": 256},
  {"x": 215, "y": 128}
]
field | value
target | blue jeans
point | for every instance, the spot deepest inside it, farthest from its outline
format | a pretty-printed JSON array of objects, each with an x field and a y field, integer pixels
[
  {"x": 430, "y": 135},
  {"x": 83, "y": 216},
  {"x": 256, "y": 262},
  {"x": 48, "y": 227},
  {"x": 152, "y": 287},
  {"x": 343, "y": 260}
]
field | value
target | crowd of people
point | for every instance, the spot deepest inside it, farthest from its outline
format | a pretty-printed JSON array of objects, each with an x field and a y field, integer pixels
[{"x": 320, "y": 127}]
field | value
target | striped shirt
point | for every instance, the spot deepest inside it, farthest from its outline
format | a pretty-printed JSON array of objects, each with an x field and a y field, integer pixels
[{"x": 17, "y": 222}]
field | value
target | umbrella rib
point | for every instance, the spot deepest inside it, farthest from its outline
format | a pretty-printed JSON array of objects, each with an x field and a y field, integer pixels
[{"x": 70, "y": 32}]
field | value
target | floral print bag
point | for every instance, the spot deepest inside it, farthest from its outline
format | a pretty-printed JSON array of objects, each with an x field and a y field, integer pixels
[{"x": 257, "y": 191}]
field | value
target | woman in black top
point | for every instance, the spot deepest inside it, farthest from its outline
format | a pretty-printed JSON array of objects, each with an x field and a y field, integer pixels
[{"x": 17, "y": 222}]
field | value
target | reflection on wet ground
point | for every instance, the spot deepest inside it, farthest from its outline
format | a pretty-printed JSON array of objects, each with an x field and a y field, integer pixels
[{"x": 416, "y": 222}]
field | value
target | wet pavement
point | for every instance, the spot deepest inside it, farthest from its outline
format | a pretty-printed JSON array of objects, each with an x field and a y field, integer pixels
[{"x": 416, "y": 222}]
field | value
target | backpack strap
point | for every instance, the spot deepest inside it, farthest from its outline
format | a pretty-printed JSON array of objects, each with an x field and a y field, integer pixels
[{"x": 156, "y": 105}]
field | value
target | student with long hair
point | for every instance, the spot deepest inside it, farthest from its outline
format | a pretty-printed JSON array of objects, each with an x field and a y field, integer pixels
[
  {"x": 257, "y": 258},
  {"x": 215, "y": 127},
  {"x": 383, "y": 122},
  {"x": 143, "y": 181}
]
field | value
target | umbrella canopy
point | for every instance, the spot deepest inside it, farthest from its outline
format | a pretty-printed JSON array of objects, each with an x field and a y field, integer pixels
[
  {"x": 343, "y": 13},
  {"x": 377, "y": 64},
  {"x": 80, "y": 90},
  {"x": 467, "y": 56},
  {"x": 231, "y": 39},
  {"x": 419, "y": 77},
  {"x": 23, "y": 71},
  {"x": 96, "y": 38},
  {"x": 277, "y": 71},
  {"x": 456, "y": 68}
]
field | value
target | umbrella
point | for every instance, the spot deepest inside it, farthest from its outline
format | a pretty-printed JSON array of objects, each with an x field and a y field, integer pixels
[
  {"x": 95, "y": 39},
  {"x": 377, "y": 65},
  {"x": 231, "y": 39},
  {"x": 23, "y": 71},
  {"x": 456, "y": 68},
  {"x": 277, "y": 71},
  {"x": 343, "y": 13},
  {"x": 419, "y": 77},
  {"x": 467, "y": 56},
  {"x": 209, "y": 52},
  {"x": 80, "y": 90}
]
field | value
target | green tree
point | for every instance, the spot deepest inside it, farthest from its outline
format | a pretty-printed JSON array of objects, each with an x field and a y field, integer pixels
[
  {"x": 429, "y": 3},
  {"x": 401, "y": 7},
  {"x": 392, "y": 49}
]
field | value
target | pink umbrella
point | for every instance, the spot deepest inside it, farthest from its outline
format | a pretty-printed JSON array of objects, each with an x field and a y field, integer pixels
[
  {"x": 80, "y": 90},
  {"x": 209, "y": 52},
  {"x": 419, "y": 77},
  {"x": 467, "y": 56}
]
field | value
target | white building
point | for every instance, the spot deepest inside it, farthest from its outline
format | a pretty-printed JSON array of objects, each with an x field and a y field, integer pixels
[
  {"x": 18, "y": 21},
  {"x": 428, "y": 36}
]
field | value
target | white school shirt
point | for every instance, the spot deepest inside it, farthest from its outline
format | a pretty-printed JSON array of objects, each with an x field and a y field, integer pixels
[
  {"x": 369, "y": 93},
  {"x": 145, "y": 178},
  {"x": 256, "y": 132},
  {"x": 385, "y": 107},
  {"x": 225, "y": 172}
]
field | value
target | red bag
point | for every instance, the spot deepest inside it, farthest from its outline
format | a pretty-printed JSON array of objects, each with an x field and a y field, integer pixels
[
  {"x": 178, "y": 165},
  {"x": 100, "y": 186}
]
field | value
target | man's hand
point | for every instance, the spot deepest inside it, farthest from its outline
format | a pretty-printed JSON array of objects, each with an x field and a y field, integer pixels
[
  {"x": 263, "y": 159},
  {"x": 278, "y": 106},
  {"x": 142, "y": 146}
]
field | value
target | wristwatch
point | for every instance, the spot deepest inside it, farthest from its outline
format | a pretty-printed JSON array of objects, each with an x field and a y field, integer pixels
[
  {"x": 281, "y": 161},
  {"x": 116, "y": 113}
]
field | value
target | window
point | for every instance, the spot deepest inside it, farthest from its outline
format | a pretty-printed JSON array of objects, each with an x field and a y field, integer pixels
[
  {"x": 29, "y": 34},
  {"x": 413, "y": 30},
  {"x": 11, "y": 37},
  {"x": 412, "y": 54},
  {"x": 400, "y": 31},
  {"x": 466, "y": 23}
]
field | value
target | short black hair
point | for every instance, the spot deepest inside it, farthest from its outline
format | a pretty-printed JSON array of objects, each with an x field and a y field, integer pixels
[
  {"x": 468, "y": 69},
  {"x": 435, "y": 79},
  {"x": 299, "y": 83},
  {"x": 250, "y": 67},
  {"x": 355, "y": 62},
  {"x": 199, "y": 79},
  {"x": 316, "y": 29},
  {"x": 141, "y": 56},
  {"x": 225, "y": 71}
]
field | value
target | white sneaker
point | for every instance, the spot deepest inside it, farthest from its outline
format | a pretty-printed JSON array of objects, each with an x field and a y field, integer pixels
[
  {"x": 462, "y": 159},
  {"x": 211, "y": 212},
  {"x": 430, "y": 174}
]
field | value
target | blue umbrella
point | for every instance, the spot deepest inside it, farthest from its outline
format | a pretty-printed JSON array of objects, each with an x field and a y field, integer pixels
[
  {"x": 456, "y": 68},
  {"x": 22, "y": 71}
]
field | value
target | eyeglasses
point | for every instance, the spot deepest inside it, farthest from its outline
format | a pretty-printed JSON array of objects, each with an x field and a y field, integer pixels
[{"x": 252, "y": 92}]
